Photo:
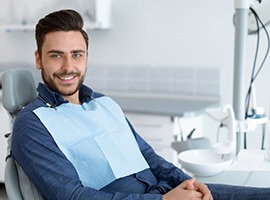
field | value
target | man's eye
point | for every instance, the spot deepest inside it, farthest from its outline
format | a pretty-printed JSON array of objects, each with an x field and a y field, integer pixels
[
  {"x": 77, "y": 55},
  {"x": 56, "y": 56}
]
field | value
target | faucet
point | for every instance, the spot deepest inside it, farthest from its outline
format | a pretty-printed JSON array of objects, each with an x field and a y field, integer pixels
[{"x": 229, "y": 145}]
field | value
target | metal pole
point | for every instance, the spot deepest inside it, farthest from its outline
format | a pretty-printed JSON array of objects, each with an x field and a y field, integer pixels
[{"x": 241, "y": 32}]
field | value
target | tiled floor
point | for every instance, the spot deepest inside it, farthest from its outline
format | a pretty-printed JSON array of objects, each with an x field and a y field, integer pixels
[{"x": 3, "y": 195}]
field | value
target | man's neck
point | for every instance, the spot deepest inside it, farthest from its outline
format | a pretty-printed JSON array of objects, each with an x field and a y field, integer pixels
[{"x": 73, "y": 98}]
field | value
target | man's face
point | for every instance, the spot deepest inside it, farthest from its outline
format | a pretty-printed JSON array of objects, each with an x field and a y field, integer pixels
[{"x": 63, "y": 62}]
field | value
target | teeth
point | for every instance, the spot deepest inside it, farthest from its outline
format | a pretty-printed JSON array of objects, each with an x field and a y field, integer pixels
[{"x": 67, "y": 78}]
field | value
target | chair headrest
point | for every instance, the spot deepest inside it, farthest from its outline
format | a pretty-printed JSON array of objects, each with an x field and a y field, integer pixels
[{"x": 19, "y": 88}]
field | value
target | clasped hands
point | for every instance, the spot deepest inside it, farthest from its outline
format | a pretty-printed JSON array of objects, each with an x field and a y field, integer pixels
[{"x": 189, "y": 190}]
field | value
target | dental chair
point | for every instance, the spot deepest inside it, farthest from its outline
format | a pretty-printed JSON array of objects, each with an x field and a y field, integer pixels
[{"x": 19, "y": 88}]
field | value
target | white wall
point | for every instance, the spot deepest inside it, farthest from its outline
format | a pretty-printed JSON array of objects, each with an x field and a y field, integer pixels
[
  {"x": 160, "y": 33},
  {"x": 165, "y": 33}
]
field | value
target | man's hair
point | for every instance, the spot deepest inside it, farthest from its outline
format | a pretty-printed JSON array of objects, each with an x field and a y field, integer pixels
[{"x": 62, "y": 20}]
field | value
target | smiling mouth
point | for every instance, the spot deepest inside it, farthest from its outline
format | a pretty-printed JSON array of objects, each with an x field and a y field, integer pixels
[{"x": 66, "y": 78}]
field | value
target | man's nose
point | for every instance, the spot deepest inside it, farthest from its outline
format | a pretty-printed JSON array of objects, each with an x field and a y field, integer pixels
[{"x": 67, "y": 64}]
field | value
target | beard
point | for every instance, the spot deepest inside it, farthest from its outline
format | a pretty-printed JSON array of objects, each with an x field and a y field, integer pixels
[{"x": 63, "y": 89}]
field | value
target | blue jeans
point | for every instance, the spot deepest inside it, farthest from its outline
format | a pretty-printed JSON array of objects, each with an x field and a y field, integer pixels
[{"x": 229, "y": 192}]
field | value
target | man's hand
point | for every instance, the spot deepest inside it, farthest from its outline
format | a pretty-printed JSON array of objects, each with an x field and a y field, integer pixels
[
  {"x": 203, "y": 189},
  {"x": 189, "y": 190}
]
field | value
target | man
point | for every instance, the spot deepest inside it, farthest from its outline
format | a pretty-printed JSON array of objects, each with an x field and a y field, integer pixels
[{"x": 74, "y": 143}]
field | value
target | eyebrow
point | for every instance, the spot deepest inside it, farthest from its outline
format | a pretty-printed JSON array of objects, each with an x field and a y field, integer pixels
[
  {"x": 78, "y": 51},
  {"x": 55, "y": 51},
  {"x": 62, "y": 52}
]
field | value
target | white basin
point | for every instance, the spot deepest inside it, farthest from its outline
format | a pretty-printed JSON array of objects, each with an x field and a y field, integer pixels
[{"x": 204, "y": 162}]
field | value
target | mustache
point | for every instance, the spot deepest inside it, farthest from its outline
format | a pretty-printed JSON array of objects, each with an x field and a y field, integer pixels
[{"x": 66, "y": 73}]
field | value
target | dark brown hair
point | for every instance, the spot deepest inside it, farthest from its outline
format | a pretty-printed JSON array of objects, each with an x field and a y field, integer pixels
[{"x": 62, "y": 20}]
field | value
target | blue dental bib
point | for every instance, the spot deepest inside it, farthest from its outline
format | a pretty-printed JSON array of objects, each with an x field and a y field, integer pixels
[{"x": 96, "y": 139}]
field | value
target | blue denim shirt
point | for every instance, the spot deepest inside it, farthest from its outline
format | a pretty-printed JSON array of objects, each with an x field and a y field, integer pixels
[{"x": 56, "y": 178}]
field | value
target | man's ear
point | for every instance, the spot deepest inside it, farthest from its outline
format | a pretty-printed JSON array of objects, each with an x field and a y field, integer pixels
[{"x": 37, "y": 60}]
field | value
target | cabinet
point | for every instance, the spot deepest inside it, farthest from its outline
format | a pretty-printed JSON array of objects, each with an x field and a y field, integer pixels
[{"x": 22, "y": 15}]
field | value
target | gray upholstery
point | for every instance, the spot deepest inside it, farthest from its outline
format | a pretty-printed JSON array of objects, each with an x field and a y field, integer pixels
[
  {"x": 11, "y": 180},
  {"x": 19, "y": 89}
]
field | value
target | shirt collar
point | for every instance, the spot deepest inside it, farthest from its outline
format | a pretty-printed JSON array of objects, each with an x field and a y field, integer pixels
[{"x": 55, "y": 99}]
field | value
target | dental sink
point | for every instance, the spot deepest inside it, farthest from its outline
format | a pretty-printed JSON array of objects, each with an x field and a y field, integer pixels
[{"x": 204, "y": 162}]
